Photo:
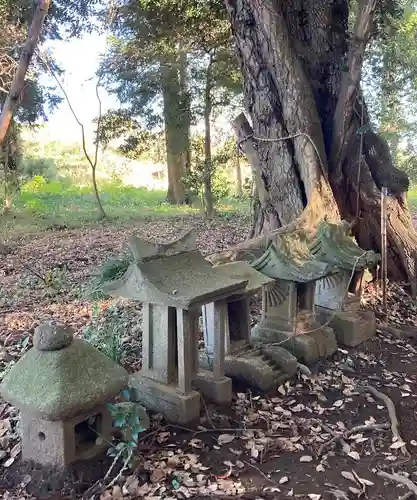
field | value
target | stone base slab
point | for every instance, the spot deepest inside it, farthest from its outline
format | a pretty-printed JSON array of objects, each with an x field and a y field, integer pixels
[
  {"x": 218, "y": 391},
  {"x": 351, "y": 327},
  {"x": 176, "y": 406}
]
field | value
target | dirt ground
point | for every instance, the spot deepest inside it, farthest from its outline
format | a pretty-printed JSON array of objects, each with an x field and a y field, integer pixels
[{"x": 287, "y": 444}]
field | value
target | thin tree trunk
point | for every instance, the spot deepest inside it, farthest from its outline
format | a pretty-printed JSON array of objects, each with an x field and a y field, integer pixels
[
  {"x": 92, "y": 161},
  {"x": 302, "y": 90},
  {"x": 208, "y": 167},
  {"x": 7, "y": 204},
  {"x": 15, "y": 91}
]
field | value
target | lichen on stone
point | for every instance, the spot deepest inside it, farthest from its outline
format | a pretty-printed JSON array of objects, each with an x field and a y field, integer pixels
[{"x": 59, "y": 384}]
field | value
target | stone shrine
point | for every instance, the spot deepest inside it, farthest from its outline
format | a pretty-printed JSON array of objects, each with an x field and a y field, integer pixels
[
  {"x": 61, "y": 387},
  {"x": 264, "y": 367},
  {"x": 288, "y": 316},
  {"x": 173, "y": 282},
  {"x": 334, "y": 302}
]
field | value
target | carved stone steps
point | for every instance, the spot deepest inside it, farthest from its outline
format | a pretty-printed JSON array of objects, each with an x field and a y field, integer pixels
[{"x": 261, "y": 368}]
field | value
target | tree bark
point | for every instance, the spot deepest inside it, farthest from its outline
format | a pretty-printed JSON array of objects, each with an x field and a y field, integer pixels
[
  {"x": 311, "y": 156},
  {"x": 176, "y": 131},
  {"x": 208, "y": 167},
  {"x": 16, "y": 88}
]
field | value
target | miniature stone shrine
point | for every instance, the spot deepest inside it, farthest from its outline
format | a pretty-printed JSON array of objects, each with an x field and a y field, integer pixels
[
  {"x": 333, "y": 300},
  {"x": 62, "y": 387},
  {"x": 264, "y": 367},
  {"x": 173, "y": 289},
  {"x": 288, "y": 317}
]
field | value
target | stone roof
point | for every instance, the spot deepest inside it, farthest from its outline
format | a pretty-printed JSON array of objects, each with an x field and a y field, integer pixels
[
  {"x": 143, "y": 249},
  {"x": 291, "y": 260},
  {"x": 60, "y": 383},
  {"x": 334, "y": 244},
  {"x": 178, "y": 280},
  {"x": 243, "y": 270}
]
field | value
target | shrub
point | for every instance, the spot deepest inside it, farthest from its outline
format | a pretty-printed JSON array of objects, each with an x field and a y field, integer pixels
[
  {"x": 105, "y": 333},
  {"x": 112, "y": 269}
]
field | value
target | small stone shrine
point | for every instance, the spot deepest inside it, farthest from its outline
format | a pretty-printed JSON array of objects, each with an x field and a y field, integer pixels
[
  {"x": 62, "y": 387},
  {"x": 173, "y": 282},
  {"x": 288, "y": 316},
  {"x": 264, "y": 367},
  {"x": 334, "y": 302}
]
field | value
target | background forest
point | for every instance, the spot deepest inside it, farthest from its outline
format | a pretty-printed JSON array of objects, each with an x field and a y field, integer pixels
[{"x": 168, "y": 145}]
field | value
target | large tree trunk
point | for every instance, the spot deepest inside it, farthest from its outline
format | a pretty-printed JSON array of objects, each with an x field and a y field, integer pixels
[
  {"x": 177, "y": 128},
  {"x": 302, "y": 83}
]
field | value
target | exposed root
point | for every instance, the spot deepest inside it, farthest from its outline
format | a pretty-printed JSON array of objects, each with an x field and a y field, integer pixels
[
  {"x": 397, "y": 478},
  {"x": 340, "y": 437},
  {"x": 392, "y": 415},
  {"x": 399, "y": 332}
]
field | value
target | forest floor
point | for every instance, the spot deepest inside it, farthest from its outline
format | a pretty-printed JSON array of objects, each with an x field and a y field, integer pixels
[{"x": 279, "y": 445}]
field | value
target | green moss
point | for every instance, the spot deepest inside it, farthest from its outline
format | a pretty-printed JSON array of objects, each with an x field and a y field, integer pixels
[{"x": 59, "y": 384}]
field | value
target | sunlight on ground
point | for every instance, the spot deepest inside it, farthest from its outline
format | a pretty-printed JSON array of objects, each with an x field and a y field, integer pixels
[{"x": 53, "y": 205}]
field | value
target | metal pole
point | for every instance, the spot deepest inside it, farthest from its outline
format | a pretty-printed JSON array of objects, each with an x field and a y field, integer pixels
[{"x": 384, "y": 199}]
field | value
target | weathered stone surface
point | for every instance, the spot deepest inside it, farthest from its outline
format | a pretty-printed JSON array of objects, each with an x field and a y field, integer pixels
[
  {"x": 216, "y": 390},
  {"x": 244, "y": 271},
  {"x": 56, "y": 385},
  {"x": 350, "y": 328},
  {"x": 57, "y": 443},
  {"x": 308, "y": 347},
  {"x": 282, "y": 359},
  {"x": 51, "y": 336},
  {"x": 179, "y": 281},
  {"x": 262, "y": 368},
  {"x": 168, "y": 400}
]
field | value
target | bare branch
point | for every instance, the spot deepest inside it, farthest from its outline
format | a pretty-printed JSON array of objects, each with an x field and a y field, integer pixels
[{"x": 92, "y": 162}]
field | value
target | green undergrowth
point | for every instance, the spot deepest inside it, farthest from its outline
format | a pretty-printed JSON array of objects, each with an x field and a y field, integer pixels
[
  {"x": 412, "y": 198},
  {"x": 50, "y": 205}
]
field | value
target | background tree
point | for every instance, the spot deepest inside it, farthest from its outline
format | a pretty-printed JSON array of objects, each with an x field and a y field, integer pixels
[
  {"x": 312, "y": 145},
  {"x": 158, "y": 66},
  {"x": 30, "y": 101},
  {"x": 216, "y": 80}
]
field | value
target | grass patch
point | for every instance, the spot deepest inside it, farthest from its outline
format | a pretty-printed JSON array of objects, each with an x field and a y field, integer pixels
[
  {"x": 43, "y": 205},
  {"x": 412, "y": 198}
]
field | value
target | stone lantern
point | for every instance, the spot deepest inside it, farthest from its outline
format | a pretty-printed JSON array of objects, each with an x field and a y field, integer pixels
[
  {"x": 335, "y": 301},
  {"x": 288, "y": 309},
  {"x": 174, "y": 281},
  {"x": 263, "y": 367},
  {"x": 62, "y": 387}
]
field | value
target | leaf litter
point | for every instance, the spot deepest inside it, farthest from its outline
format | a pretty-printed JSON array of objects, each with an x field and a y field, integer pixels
[{"x": 265, "y": 443}]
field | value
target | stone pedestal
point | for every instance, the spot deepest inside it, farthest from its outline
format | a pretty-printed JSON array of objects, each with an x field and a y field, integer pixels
[
  {"x": 309, "y": 343},
  {"x": 350, "y": 327},
  {"x": 214, "y": 389},
  {"x": 176, "y": 406}
]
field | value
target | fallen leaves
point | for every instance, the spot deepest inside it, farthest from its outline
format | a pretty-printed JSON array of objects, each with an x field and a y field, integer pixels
[{"x": 225, "y": 439}]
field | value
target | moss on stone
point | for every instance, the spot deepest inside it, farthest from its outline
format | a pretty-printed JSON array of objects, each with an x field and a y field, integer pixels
[{"x": 57, "y": 385}]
